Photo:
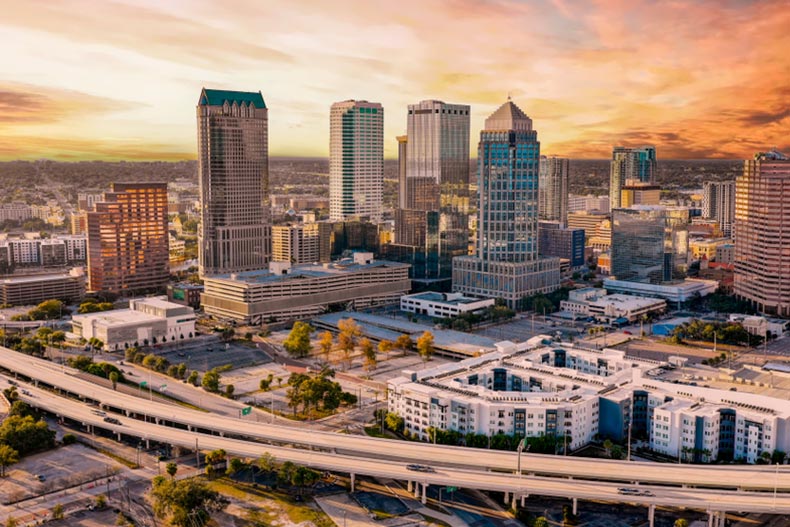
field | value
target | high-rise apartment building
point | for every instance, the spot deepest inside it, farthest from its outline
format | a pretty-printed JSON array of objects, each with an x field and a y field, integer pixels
[
  {"x": 507, "y": 264},
  {"x": 298, "y": 244},
  {"x": 403, "y": 142},
  {"x": 630, "y": 163},
  {"x": 553, "y": 189},
  {"x": 356, "y": 160},
  {"x": 762, "y": 233},
  {"x": 649, "y": 243},
  {"x": 233, "y": 175},
  {"x": 127, "y": 239},
  {"x": 718, "y": 203},
  {"x": 432, "y": 228}
]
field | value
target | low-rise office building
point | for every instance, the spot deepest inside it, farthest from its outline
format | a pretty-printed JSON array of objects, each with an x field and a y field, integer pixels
[
  {"x": 533, "y": 389},
  {"x": 146, "y": 321},
  {"x": 443, "y": 305},
  {"x": 34, "y": 289},
  {"x": 286, "y": 292},
  {"x": 593, "y": 302},
  {"x": 678, "y": 291}
]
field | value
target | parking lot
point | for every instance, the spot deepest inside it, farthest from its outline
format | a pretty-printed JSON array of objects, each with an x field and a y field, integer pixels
[{"x": 209, "y": 352}]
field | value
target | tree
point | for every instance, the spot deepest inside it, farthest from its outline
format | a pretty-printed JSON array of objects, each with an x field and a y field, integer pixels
[
  {"x": 681, "y": 522},
  {"x": 193, "y": 378},
  {"x": 325, "y": 344},
  {"x": 8, "y": 457},
  {"x": 607, "y": 445},
  {"x": 11, "y": 522},
  {"x": 171, "y": 469},
  {"x": 210, "y": 381},
  {"x": 234, "y": 465},
  {"x": 266, "y": 462},
  {"x": 347, "y": 338},
  {"x": 425, "y": 346},
  {"x": 229, "y": 390},
  {"x": 47, "y": 310},
  {"x": 541, "y": 522},
  {"x": 386, "y": 346},
  {"x": 57, "y": 512},
  {"x": 26, "y": 435},
  {"x": 114, "y": 379},
  {"x": 101, "y": 501},
  {"x": 266, "y": 383},
  {"x": 186, "y": 503},
  {"x": 298, "y": 341},
  {"x": 403, "y": 342},
  {"x": 369, "y": 352}
]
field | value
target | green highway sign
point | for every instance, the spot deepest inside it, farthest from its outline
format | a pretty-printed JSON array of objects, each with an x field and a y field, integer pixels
[
  {"x": 143, "y": 383},
  {"x": 247, "y": 410},
  {"x": 163, "y": 387},
  {"x": 451, "y": 489}
]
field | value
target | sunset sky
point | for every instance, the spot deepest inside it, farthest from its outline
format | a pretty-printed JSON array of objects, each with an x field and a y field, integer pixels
[{"x": 105, "y": 79}]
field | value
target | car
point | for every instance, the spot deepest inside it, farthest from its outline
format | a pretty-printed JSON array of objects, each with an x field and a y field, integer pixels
[
  {"x": 628, "y": 490},
  {"x": 626, "y": 332},
  {"x": 420, "y": 468},
  {"x": 99, "y": 413},
  {"x": 112, "y": 420},
  {"x": 646, "y": 493},
  {"x": 41, "y": 477}
]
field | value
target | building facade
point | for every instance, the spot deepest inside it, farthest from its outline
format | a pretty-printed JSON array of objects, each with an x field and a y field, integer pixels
[
  {"x": 638, "y": 193},
  {"x": 507, "y": 264},
  {"x": 151, "y": 320},
  {"x": 762, "y": 233},
  {"x": 286, "y": 293},
  {"x": 432, "y": 228},
  {"x": 442, "y": 305},
  {"x": 297, "y": 244},
  {"x": 34, "y": 289},
  {"x": 649, "y": 244},
  {"x": 561, "y": 242},
  {"x": 128, "y": 239},
  {"x": 233, "y": 175},
  {"x": 553, "y": 189},
  {"x": 718, "y": 203},
  {"x": 637, "y": 164},
  {"x": 356, "y": 160}
]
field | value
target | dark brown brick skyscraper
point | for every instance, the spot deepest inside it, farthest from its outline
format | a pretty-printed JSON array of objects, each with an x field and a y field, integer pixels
[{"x": 127, "y": 239}]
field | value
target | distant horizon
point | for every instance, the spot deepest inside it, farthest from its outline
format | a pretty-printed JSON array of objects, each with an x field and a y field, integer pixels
[
  {"x": 699, "y": 79},
  {"x": 111, "y": 160}
]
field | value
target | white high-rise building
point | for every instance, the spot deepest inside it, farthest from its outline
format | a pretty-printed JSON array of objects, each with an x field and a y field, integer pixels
[
  {"x": 718, "y": 203},
  {"x": 356, "y": 160},
  {"x": 553, "y": 189}
]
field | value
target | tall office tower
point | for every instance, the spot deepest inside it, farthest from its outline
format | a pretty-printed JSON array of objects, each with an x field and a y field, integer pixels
[
  {"x": 432, "y": 228},
  {"x": 356, "y": 160},
  {"x": 507, "y": 264},
  {"x": 649, "y": 243},
  {"x": 718, "y": 203},
  {"x": 127, "y": 239},
  {"x": 762, "y": 233},
  {"x": 553, "y": 189},
  {"x": 630, "y": 163},
  {"x": 233, "y": 174},
  {"x": 296, "y": 244},
  {"x": 403, "y": 141}
]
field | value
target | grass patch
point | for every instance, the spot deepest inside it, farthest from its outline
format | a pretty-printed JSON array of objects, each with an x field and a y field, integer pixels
[
  {"x": 297, "y": 512},
  {"x": 119, "y": 459},
  {"x": 374, "y": 431}
]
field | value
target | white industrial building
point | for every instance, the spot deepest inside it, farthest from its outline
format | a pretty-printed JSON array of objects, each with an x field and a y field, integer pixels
[
  {"x": 534, "y": 389},
  {"x": 147, "y": 321},
  {"x": 680, "y": 291},
  {"x": 443, "y": 305},
  {"x": 594, "y": 302}
]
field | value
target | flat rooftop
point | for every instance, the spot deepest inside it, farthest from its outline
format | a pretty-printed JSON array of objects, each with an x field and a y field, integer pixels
[
  {"x": 118, "y": 317},
  {"x": 35, "y": 278},
  {"x": 297, "y": 272},
  {"x": 445, "y": 298}
]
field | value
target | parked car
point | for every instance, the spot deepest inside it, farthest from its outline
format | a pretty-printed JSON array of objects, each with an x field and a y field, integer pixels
[{"x": 420, "y": 468}]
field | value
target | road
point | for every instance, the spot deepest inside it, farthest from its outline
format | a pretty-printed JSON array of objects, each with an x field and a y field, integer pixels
[
  {"x": 705, "y": 499},
  {"x": 368, "y": 448}
]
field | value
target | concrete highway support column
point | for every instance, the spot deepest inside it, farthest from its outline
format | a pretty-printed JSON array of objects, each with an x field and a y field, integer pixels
[
  {"x": 651, "y": 514},
  {"x": 576, "y": 506},
  {"x": 710, "y": 518},
  {"x": 722, "y": 519},
  {"x": 409, "y": 486},
  {"x": 524, "y": 500},
  {"x": 513, "y": 502},
  {"x": 424, "y": 493},
  {"x": 147, "y": 443},
  {"x": 353, "y": 482},
  {"x": 507, "y": 495},
  {"x": 416, "y": 489}
]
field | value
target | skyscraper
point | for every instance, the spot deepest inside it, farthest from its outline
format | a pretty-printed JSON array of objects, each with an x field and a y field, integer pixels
[
  {"x": 403, "y": 142},
  {"x": 432, "y": 228},
  {"x": 356, "y": 160},
  {"x": 718, "y": 203},
  {"x": 762, "y": 233},
  {"x": 553, "y": 189},
  {"x": 233, "y": 174},
  {"x": 630, "y": 164},
  {"x": 649, "y": 243},
  {"x": 507, "y": 264},
  {"x": 127, "y": 239}
]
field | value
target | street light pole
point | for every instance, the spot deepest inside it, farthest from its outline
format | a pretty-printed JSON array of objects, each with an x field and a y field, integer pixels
[{"x": 629, "y": 440}]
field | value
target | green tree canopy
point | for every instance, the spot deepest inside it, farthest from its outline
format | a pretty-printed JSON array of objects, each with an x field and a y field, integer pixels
[{"x": 298, "y": 341}]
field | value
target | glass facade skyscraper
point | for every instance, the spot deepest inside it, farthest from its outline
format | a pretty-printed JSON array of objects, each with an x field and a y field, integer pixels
[
  {"x": 356, "y": 160},
  {"x": 553, "y": 189},
  {"x": 233, "y": 175},
  {"x": 649, "y": 243},
  {"x": 507, "y": 264},
  {"x": 637, "y": 164},
  {"x": 431, "y": 223}
]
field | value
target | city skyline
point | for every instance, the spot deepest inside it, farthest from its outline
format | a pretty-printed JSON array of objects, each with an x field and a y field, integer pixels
[{"x": 81, "y": 85}]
